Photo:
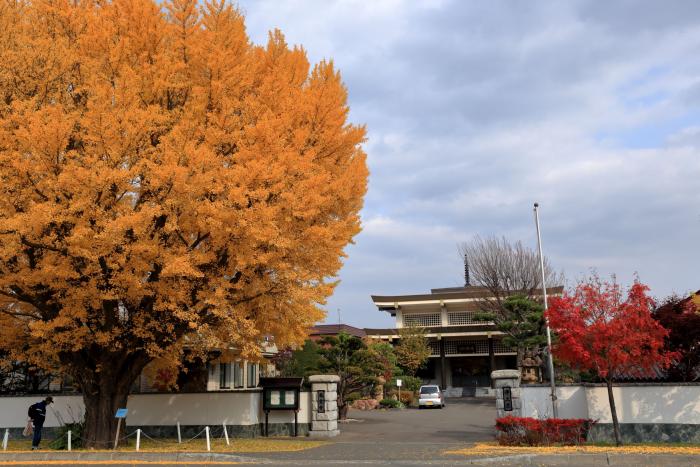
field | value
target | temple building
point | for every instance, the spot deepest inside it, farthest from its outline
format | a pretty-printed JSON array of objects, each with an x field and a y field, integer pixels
[{"x": 464, "y": 350}]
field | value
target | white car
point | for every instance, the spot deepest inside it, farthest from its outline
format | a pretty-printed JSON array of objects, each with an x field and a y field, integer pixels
[{"x": 430, "y": 396}]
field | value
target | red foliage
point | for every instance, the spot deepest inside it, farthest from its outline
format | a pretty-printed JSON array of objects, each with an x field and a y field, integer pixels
[
  {"x": 516, "y": 431},
  {"x": 600, "y": 330},
  {"x": 682, "y": 319}
]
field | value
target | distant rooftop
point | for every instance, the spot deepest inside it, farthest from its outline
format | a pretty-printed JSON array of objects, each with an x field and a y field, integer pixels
[
  {"x": 450, "y": 293},
  {"x": 471, "y": 288},
  {"x": 335, "y": 329}
]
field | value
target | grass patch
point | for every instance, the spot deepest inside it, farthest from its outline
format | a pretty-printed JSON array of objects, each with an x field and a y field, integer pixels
[
  {"x": 238, "y": 445},
  {"x": 480, "y": 449}
]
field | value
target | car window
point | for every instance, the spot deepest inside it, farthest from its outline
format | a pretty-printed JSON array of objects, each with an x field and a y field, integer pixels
[{"x": 429, "y": 390}]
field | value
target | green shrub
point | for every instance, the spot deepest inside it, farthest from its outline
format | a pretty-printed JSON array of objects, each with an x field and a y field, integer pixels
[
  {"x": 352, "y": 397},
  {"x": 411, "y": 383},
  {"x": 390, "y": 404},
  {"x": 61, "y": 440}
]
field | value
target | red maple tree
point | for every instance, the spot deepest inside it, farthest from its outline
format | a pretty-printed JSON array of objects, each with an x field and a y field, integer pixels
[
  {"x": 681, "y": 316},
  {"x": 600, "y": 329}
]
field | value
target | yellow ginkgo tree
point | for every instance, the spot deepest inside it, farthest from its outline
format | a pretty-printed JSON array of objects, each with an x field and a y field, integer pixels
[{"x": 163, "y": 180}]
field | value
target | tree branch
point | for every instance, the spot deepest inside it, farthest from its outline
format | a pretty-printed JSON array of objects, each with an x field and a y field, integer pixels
[
  {"x": 36, "y": 188},
  {"x": 182, "y": 239},
  {"x": 29, "y": 243},
  {"x": 17, "y": 293},
  {"x": 18, "y": 313},
  {"x": 199, "y": 240}
]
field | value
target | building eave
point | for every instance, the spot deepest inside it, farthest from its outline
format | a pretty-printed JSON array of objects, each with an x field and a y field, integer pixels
[
  {"x": 392, "y": 302},
  {"x": 483, "y": 330}
]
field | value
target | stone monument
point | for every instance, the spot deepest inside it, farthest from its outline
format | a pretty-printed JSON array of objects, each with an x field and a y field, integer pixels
[
  {"x": 507, "y": 385},
  {"x": 324, "y": 406}
]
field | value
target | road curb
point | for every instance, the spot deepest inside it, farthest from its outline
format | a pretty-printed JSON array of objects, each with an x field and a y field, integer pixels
[
  {"x": 123, "y": 456},
  {"x": 588, "y": 460}
]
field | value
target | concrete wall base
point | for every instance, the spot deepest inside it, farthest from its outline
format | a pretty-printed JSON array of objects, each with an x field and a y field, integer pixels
[
  {"x": 453, "y": 392},
  {"x": 485, "y": 392},
  {"x": 324, "y": 433},
  {"x": 646, "y": 433}
]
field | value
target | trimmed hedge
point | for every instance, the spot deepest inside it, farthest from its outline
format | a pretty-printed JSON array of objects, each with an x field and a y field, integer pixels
[{"x": 522, "y": 431}]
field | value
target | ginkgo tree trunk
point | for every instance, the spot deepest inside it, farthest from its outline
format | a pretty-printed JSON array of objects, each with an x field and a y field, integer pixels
[{"x": 164, "y": 183}]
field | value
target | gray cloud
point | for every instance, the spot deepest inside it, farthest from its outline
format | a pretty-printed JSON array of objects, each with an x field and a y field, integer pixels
[{"x": 477, "y": 109}]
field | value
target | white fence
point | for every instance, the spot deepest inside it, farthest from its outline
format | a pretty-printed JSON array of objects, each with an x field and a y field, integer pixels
[
  {"x": 210, "y": 408},
  {"x": 635, "y": 403}
]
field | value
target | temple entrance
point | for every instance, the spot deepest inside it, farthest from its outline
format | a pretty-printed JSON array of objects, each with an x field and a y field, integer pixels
[
  {"x": 461, "y": 374},
  {"x": 470, "y": 372}
]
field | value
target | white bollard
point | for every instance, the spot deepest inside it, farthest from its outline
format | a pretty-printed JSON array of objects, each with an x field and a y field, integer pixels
[
  {"x": 206, "y": 429},
  {"x": 5, "y": 438},
  {"x": 138, "y": 439},
  {"x": 70, "y": 440},
  {"x": 226, "y": 435},
  {"x": 179, "y": 436}
]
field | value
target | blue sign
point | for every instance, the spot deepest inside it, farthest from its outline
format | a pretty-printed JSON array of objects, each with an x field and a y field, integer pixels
[{"x": 121, "y": 413}]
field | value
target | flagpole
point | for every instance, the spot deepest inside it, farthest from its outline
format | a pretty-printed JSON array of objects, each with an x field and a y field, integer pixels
[{"x": 549, "y": 333}]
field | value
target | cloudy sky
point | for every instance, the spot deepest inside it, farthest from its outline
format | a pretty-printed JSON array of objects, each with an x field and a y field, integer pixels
[{"x": 477, "y": 109}]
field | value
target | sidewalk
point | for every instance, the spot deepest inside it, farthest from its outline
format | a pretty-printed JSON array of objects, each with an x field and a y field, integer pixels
[
  {"x": 85, "y": 457},
  {"x": 337, "y": 455}
]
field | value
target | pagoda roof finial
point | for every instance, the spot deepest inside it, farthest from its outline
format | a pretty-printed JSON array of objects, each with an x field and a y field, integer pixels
[{"x": 466, "y": 271}]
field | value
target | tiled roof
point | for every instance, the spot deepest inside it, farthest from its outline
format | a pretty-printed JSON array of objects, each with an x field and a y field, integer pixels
[{"x": 335, "y": 329}]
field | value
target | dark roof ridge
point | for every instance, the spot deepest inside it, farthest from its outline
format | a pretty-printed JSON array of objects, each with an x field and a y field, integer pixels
[{"x": 470, "y": 292}]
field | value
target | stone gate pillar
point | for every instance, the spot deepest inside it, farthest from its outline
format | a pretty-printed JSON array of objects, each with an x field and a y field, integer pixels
[
  {"x": 324, "y": 405},
  {"x": 507, "y": 384}
]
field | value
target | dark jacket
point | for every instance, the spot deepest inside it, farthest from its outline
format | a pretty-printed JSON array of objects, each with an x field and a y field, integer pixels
[{"x": 37, "y": 412}]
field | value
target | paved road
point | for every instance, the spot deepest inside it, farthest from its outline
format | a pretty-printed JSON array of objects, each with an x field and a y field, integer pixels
[
  {"x": 403, "y": 438},
  {"x": 462, "y": 420},
  {"x": 396, "y": 436},
  {"x": 632, "y": 460},
  {"x": 407, "y": 435}
]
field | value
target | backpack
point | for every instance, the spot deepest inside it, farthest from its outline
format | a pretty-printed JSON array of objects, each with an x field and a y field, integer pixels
[{"x": 32, "y": 412}]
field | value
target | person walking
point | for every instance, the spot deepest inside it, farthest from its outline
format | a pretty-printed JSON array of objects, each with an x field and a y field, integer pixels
[{"x": 37, "y": 412}]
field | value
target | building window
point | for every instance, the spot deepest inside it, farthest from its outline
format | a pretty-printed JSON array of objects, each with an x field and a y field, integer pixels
[
  {"x": 252, "y": 375},
  {"x": 500, "y": 348},
  {"x": 238, "y": 374},
  {"x": 422, "y": 319},
  {"x": 224, "y": 375},
  {"x": 461, "y": 318},
  {"x": 467, "y": 347}
]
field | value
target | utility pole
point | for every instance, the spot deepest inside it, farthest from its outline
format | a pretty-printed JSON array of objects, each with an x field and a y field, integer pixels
[{"x": 549, "y": 333}]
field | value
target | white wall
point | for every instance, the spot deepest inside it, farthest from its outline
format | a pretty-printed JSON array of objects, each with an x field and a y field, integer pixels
[
  {"x": 211, "y": 408},
  {"x": 537, "y": 402},
  {"x": 13, "y": 410},
  {"x": 646, "y": 404},
  {"x": 236, "y": 408},
  {"x": 635, "y": 404}
]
